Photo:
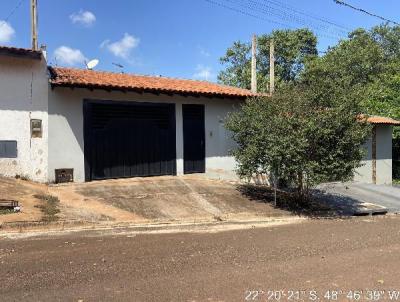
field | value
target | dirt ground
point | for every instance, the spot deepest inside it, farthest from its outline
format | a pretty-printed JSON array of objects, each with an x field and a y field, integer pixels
[
  {"x": 314, "y": 257},
  {"x": 138, "y": 200},
  {"x": 23, "y": 192}
]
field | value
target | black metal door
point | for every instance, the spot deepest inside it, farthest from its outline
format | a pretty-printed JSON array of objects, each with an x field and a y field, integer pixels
[
  {"x": 127, "y": 139},
  {"x": 194, "y": 151}
]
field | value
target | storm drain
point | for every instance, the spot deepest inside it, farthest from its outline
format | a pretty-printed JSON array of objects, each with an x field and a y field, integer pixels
[{"x": 370, "y": 209}]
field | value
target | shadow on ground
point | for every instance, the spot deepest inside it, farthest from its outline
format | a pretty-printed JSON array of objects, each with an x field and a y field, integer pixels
[{"x": 321, "y": 203}]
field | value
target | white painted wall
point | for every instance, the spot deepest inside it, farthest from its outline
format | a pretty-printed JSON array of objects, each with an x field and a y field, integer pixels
[
  {"x": 384, "y": 154},
  {"x": 364, "y": 173},
  {"x": 66, "y": 145},
  {"x": 383, "y": 158},
  {"x": 24, "y": 96}
]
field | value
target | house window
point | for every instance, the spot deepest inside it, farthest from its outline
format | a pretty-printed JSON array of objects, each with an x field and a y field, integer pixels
[
  {"x": 8, "y": 149},
  {"x": 36, "y": 128}
]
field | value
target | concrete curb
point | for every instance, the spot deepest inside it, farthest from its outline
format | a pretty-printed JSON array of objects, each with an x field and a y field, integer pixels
[{"x": 151, "y": 228}]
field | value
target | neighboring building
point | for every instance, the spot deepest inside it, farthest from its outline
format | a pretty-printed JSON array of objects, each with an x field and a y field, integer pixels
[
  {"x": 68, "y": 124},
  {"x": 377, "y": 164},
  {"x": 23, "y": 101}
]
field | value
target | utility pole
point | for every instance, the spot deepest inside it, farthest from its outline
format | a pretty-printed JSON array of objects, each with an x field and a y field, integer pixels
[
  {"x": 271, "y": 67},
  {"x": 254, "y": 64},
  {"x": 34, "y": 25}
]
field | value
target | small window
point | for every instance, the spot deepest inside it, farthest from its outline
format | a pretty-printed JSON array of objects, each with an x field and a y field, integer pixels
[
  {"x": 36, "y": 128},
  {"x": 8, "y": 149}
]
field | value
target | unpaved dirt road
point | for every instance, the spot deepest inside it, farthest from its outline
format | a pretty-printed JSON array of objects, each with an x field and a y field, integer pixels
[{"x": 312, "y": 257}]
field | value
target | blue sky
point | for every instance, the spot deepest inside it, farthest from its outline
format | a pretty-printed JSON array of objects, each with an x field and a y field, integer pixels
[{"x": 176, "y": 38}]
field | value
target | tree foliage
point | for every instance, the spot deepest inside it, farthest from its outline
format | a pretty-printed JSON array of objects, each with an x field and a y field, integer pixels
[
  {"x": 308, "y": 132},
  {"x": 366, "y": 64},
  {"x": 293, "y": 49},
  {"x": 290, "y": 136}
]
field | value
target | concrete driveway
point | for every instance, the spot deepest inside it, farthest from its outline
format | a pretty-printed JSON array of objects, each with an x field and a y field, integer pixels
[
  {"x": 165, "y": 198},
  {"x": 361, "y": 197}
]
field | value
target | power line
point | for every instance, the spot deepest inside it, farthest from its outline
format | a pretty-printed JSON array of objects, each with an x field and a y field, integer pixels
[
  {"x": 340, "y": 2},
  {"x": 291, "y": 17},
  {"x": 252, "y": 6},
  {"x": 307, "y": 14},
  {"x": 11, "y": 13},
  {"x": 246, "y": 13},
  {"x": 252, "y": 10}
]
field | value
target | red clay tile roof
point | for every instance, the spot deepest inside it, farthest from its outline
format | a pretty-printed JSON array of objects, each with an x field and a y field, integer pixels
[
  {"x": 382, "y": 120},
  {"x": 71, "y": 77},
  {"x": 20, "y": 52}
]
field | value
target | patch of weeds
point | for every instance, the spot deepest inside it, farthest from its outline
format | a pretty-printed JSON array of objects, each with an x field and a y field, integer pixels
[
  {"x": 49, "y": 208},
  {"x": 6, "y": 211},
  {"x": 396, "y": 181}
]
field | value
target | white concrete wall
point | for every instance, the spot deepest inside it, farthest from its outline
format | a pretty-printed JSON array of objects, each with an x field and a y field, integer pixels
[
  {"x": 24, "y": 96},
  {"x": 383, "y": 158},
  {"x": 364, "y": 173},
  {"x": 66, "y": 145},
  {"x": 384, "y": 154}
]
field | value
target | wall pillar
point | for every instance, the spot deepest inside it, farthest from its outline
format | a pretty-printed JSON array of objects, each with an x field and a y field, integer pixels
[
  {"x": 179, "y": 138},
  {"x": 374, "y": 154}
]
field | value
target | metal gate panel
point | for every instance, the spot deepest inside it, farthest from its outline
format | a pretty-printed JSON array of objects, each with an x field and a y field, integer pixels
[
  {"x": 128, "y": 139},
  {"x": 193, "y": 139}
]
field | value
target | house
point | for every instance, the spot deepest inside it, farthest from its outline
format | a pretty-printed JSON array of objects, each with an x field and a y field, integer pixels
[
  {"x": 23, "y": 101},
  {"x": 87, "y": 125},
  {"x": 64, "y": 124}
]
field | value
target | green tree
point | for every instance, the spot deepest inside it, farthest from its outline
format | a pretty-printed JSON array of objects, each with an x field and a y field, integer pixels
[
  {"x": 293, "y": 49},
  {"x": 366, "y": 64},
  {"x": 291, "y": 136}
]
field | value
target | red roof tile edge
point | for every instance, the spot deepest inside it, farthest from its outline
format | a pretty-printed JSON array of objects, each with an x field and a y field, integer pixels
[
  {"x": 382, "y": 120},
  {"x": 72, "y": 77}
]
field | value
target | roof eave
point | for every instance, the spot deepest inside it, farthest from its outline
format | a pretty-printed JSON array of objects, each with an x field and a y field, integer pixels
[
  {"x": 149, "y": 90},
  {"x": 386, "y": 123},
  {"x": 21, "y": 53}
]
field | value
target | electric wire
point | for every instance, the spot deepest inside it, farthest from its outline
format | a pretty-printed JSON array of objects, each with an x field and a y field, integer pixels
[
  {"x": 290, "y": 17},
  {"x": 249, "y": 9},
  {"x": 340, "y": 2},
  {"x": 307, "y": 14},
  {"x": 3, "y": 22}
]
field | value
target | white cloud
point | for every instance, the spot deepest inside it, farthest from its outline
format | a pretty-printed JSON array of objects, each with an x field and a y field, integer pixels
[
  {"x": 6, "y": 32},
  {"x": 203, "y": 73},
  {"x": 82, "y": 17},
  {"x": 123, "y": 47},
  {"x": 204, "y": 52},
  {"x": 69, "y": 56}
]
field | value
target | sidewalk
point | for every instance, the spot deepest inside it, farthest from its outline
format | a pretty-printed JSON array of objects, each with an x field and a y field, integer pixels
[{"x": 61, "y": 229}]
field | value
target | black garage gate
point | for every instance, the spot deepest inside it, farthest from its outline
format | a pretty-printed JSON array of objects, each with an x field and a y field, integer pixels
[{"x": 127, "y": 139}]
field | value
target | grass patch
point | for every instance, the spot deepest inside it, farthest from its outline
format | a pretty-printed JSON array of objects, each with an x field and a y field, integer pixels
[
  {"x": 49, "y": 207},
  {"x": 6, "y": 211}
]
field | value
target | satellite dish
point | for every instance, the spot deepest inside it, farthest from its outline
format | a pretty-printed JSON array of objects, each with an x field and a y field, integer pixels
[{"x": 92, "y": 64}]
